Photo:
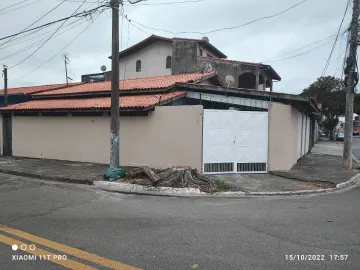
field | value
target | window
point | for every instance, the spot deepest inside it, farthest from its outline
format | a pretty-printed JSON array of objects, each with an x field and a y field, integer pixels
[
  {"x": 168, "y": 62},
  {"x": 138, "y": 66},
  {"x": 201, "y": 52}
]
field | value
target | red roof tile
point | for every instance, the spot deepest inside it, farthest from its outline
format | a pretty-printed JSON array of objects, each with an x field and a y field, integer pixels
[
  {"x": 126, "y": 102},
  {"x": 35, "y": 89},
  {"x": 159, "y": 82}
]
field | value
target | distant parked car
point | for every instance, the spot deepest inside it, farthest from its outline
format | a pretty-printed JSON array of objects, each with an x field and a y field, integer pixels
[
  {"x": 355, "y": 133},
  {"x": 340, "y": 136}
]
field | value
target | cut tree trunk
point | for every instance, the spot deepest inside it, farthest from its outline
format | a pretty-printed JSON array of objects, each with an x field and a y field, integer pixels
[{"x": 178, "y": 177}]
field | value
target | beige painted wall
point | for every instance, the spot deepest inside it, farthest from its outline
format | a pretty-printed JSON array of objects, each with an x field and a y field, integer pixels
[
  {"x": 283, "y": 126},
  {"x": 153, "y": 61},
  {"x": 1, "y": 135},
  {"x": 168, "y": 136}
]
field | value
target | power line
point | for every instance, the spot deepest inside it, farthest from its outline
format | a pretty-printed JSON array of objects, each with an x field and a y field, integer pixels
[
  {"x": 57, "y": 52},
  {"x": 224, "y": 28},
  {"x": 151, "y": 4},
  {"x": 19, "y": 7},
  {"x": 338, "y": 67},
  {"x": 13, "y": 5},
  {"x": 35, "y": 21},
  {"x": 286, "y": 58},
  {"x": 336, "y": 39},
  {"x": 170, "y": 3},
  {"x": 306, "y": 46},
  {"x": 46, "y": 39},
  {"x": 127, "y": 46},
  {"x": 303, "y": 47},
  {"x": 130, "y": 22},
  {"x": 38, "y": 42},
  {"x": 25, "y": 40},
  {"x": 81, "y": 14}
]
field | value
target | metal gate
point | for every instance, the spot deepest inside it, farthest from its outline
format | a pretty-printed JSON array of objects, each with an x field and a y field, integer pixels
[{"x": 235, "y": 142}]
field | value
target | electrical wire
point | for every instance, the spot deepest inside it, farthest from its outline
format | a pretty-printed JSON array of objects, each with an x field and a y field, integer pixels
[
  {"x": 42, "y": 44},
  {"x": 38, "y": 42},
  {"x": 151, "y": 4},
  {"x": 306, "y": 46},
  {"x": 127, "y": 46},
  {"x": 25, "y": 40},
  {"x": 130, "y": 22},
  {"x": 47, "y": 61},
  {"x": 80, "y": 14},
  {"x": 169, "y": 3},
  {"x": 35, "y": 21},
  {"x": 14, "y": 5},
  {"x": 224, "y": 28},
  {"x": 19, "y": 7},
  {"x": 335, "y": 41},
  {"x": 286, "y": 58},
  {"x": 342, "y": 63}
]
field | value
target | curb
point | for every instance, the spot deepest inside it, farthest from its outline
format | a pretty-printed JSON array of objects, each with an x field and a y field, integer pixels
[
  {"x": 195, "y": 192},
  {"x": 178, "y": 192},
  {"x": 48, "y": 177}
]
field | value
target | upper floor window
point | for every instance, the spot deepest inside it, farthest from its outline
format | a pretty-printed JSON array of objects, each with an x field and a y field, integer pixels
[
  {"x": 138, "y": 66},
  {"x": 201, "y": 52},
  {"x": 168, "y": 62}
]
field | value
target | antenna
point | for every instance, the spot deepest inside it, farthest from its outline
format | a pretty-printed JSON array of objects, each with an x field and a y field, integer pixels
[{"x": 67, "y": 61}]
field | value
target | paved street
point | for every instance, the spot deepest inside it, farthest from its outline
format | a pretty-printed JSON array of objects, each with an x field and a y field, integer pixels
[
  {"x": 175, "y": 233},
  {"x": 356, "y": 146}
]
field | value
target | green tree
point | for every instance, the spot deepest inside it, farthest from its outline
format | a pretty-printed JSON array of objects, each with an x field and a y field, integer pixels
[
  {"x": 357, "y": 104},
  {"x": 330, "y": 92}
]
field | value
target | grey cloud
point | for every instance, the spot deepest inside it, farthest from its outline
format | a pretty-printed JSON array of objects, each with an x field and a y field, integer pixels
[{"x": 263, "y": 40}]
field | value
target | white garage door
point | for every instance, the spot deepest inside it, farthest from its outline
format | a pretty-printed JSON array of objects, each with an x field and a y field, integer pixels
[{"x": 235, "y": 142}]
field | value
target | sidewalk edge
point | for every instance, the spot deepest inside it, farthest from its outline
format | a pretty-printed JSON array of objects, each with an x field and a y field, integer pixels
[
  {"x": 178, "y": 192},
  {"x": 47, "y": 177}
]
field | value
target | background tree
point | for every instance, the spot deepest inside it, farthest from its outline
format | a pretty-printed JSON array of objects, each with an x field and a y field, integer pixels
[
  {"x": 357, "y": 103},
  {"x": 330, "y": 92}
]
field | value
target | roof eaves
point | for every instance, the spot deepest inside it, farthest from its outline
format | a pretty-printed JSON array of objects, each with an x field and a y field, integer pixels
[
  {"x": 270, "y": 96},
  {"x": 149, "y": 40},
  {"x": 164, "y": 102}
]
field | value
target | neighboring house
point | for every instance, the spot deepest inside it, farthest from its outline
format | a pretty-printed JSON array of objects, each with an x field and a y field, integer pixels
[
  {"x": 187, "y": 119},
  {"x": 159, "y": 56},
  {"x": 22, "y": 94}
]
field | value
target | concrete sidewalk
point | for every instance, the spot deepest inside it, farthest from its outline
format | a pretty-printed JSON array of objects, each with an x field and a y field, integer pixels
[
  {"x": 57, "y": 170},
  {"x": 324, "y": 164}
]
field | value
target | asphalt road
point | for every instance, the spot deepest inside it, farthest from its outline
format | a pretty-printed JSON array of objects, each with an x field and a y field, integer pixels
[
  {"x": 356, "y": 146},
  {"x": 176, "y": 233}
]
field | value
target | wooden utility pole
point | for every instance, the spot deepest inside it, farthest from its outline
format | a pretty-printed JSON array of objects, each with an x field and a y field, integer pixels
[
  {"x": 115, "y": 85},
  {"x": 5, "y": 86},
  {"x": 350, "y": 89}
]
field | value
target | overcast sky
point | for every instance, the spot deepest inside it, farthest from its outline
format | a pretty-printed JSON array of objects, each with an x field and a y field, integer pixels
[{"x": 269, "y": 39}]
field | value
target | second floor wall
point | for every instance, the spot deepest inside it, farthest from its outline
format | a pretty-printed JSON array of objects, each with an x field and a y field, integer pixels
[{"x": 148, "y": 62}]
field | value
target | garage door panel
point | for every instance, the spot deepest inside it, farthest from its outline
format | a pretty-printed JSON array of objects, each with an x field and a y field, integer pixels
[
  {"x": 218, "y": 154},
  {"x": 251, "y": 137},
  {"x": 219, "y": 119},
  {"x": 235, "y": 141},
  {"x": 246, "y": 154},
  {"x": 219, "y": 137}
]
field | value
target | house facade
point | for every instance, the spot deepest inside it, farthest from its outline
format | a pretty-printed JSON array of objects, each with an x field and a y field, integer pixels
[
  {"x": 161, "y": 56},
  {"x": 187, "y": 119}
]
